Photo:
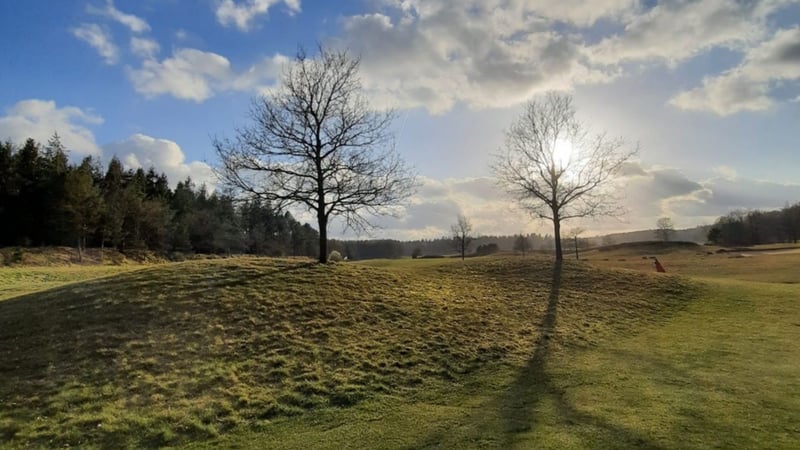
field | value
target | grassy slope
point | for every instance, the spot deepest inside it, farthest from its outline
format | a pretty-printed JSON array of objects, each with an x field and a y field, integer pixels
[
  {"x": 190, "y": 351},
  {"x": 16, "y": 281},
  {"x": 721, "y": 372}
]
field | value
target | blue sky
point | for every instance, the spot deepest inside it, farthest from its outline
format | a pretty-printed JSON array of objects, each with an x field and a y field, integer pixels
[{"x": 709, "y": 89}]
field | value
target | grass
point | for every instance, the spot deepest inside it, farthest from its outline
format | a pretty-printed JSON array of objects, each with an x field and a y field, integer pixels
[
  {"x": 491, "y": 352},
  {"x": 19, "y": 280},
  {"x": 704, "y": 262}
]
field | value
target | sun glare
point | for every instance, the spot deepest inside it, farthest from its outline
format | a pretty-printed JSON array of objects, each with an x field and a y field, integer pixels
[{"x": 562, "y": 152}]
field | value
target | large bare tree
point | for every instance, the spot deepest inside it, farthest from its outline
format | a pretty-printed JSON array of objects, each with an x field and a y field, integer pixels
[
  {"x": 316, "y": 143},
  {"x": 555, "y": 168}
]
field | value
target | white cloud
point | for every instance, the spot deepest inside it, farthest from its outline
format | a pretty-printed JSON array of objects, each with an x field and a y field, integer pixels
[
  {"x": 39, "y": 119},
  {"x": 100, "y": 39},
  {"x": 485, "y": 54},
  {"x": 747, "y": 87},
  {"x": 144, "y": 47},
  {"x": 673, "y": 31},
  {"x": 241, "y": 14},
  {"x": 724, "y": 95},
  {"x": 196, "y": 75},
  {"x": 578, "y": 12},
  {"x": 496, "y": 53},
  {"x": 188, "y": 75},
  {"x": 134, "y": 23},
  {"x": 653, "y": 192},
  {"x": 142, "y": 151}
]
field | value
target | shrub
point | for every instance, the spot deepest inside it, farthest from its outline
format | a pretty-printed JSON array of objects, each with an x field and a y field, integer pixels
[{"x": 335, "y": 256}]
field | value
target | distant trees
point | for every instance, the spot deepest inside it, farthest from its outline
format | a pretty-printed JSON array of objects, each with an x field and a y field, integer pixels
[
  {"x": 522, "y": 244},
  {"x": 462, "y": 235},
  {"x": 664, "y": 229},
  {"x": 487, "y": 249},
  {"x": 555, "y": 169},
  {"x": 757, "y": 227},
  {"x": 46, "y": 201},
  {"x": 316, "y": 143}
]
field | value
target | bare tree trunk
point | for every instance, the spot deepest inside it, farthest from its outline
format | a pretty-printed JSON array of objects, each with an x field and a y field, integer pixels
[
  {"x": 80, "y": 253},
  {"x": 322, "y": 221},
  {"x": 557, "y": 232},
  {"x": 576, "y": 248}
]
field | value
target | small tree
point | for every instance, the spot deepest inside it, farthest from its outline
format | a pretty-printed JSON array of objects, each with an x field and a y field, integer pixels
[
  {"x": 555, "y": 169},
  {"x": 522, "y": 244},
  {"x": 461, "y": 235},
  {"x": 573, "y": 235},
  {"x": 664, "y": 229},
  {"x": 316, "y": 143}
]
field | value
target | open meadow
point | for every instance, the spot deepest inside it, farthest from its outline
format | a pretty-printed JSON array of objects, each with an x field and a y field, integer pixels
[{"x": 493, "y": 352}]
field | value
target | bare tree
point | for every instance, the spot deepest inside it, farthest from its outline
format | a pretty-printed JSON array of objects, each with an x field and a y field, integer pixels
[
  {"x": 462, "y": 235},
  {"x": 573, "y": 234},
  {"x": 555, "y": 168},
  {"x": 664, "y": 229},
  {"x": 522, "y": 244},
  {"x": 316, "y": 143}
]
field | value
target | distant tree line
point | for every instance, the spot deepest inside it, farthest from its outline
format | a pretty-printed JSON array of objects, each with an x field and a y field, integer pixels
[
  {"x": 757, "y": 227},
  {"x": 45, "y": 200}
]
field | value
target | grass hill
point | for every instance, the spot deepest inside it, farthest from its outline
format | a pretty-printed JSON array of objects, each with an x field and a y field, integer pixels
[
  {"x": 491, "y": 352},
  {"x": 187, "y": 351}
]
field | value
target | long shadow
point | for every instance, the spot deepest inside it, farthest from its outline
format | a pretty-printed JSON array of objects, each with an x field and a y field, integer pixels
[
  {"x": 533, "y": 386},
  {"x": 517, "y": 405}
]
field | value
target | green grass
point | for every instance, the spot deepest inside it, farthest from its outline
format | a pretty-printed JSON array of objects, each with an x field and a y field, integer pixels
[
  {"x": 492, "y": 352},
  {"x": 16, "y": 281}
]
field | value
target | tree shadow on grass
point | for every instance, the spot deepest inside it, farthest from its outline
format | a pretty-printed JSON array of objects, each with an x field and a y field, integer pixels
[
  {"x": 533, "y": 400},
  {"x": 534, "y": 390}
]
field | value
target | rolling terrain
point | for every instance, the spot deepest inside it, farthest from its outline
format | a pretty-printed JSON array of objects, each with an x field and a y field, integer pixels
[{"x": 493, "y": 352}]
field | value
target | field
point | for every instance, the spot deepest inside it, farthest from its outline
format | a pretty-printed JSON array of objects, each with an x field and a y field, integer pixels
[{"x": 500, "y": 352}]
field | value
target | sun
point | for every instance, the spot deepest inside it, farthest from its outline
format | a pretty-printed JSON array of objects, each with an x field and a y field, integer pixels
[{"x": 562, "y": 152}]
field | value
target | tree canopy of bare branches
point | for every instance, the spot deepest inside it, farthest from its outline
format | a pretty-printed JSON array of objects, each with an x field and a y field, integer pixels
[
  {"x": 555, "y": 168},
  {"x": 664, "y": 229},
  {"x": 315, "y": 142},
  {"x": 462, "y": 235}
]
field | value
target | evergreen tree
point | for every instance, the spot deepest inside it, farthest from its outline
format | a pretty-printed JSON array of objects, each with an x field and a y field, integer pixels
[{"x": 82, "y": 204}]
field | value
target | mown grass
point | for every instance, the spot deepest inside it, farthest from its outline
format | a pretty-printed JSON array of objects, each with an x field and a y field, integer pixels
[{"x": 222, "y": 349}]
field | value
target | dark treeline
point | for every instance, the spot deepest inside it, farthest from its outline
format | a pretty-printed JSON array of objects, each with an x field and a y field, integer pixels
[
  {"x": 390, "y": 248},
  {"x": 45, "y": 200},
  {"x": 757, "y": 227}
]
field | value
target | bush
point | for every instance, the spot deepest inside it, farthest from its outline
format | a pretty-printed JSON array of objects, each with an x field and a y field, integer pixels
[{"x": 335, "y": 256}]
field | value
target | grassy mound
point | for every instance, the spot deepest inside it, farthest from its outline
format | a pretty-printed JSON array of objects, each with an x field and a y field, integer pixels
[{"x": 188, "y": 351}]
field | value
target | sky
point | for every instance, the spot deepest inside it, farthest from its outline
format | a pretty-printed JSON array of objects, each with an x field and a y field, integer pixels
[{"x": 709, "y": 90}]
